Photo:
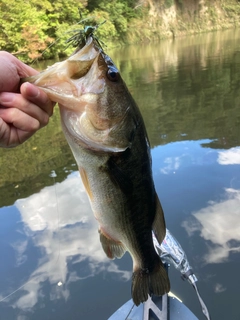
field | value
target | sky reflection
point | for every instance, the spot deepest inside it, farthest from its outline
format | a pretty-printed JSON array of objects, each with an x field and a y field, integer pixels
[
  {"x": 218, "y": 223},
  {"x": 182, "y": 154},
  {"x": 230, "y": 156},
  {"x": 214, "y": 209},
  {"x": 60, "y": 224},
  {"x": 52, "y": 241}
]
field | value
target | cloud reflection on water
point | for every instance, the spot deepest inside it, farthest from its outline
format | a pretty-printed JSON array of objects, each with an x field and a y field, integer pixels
[
  {"x": 231, "y": 156},
  {"x": 61, "y": 224},
  {"x": 171, "y": 165},
  {"x": 219, "y": 224}
]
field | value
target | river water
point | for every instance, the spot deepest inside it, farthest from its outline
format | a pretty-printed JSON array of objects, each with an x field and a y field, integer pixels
[{"x": 52, "y": 265}]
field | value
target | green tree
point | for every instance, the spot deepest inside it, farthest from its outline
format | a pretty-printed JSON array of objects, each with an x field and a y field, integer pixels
[
  {"x": 28, "y": 28},
  {"x": 22, "y": 28}
]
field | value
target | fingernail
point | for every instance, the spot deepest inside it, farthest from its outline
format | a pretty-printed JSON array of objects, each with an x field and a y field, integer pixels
[{"x": 31, "y": 90}]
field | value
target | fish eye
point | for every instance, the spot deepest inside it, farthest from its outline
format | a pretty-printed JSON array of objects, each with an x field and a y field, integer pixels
[{"x": 112, "y": 75}]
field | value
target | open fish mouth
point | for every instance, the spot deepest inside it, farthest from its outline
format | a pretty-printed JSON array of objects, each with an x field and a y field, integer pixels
[
  {"x": 77, "y": 85},
  {"x": 78, "y": 79},
  {"x": 66, "y": 78},
  {"x": 83, "y": 73}
]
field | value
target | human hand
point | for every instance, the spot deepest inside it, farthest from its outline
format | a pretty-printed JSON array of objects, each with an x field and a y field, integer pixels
[{"x": 23, "y": 110}]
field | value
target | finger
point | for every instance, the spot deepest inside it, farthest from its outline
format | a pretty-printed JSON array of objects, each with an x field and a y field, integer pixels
[
  {"x": 16, "y": 101},
  {"x": 38, "y": 97},
  {"x": 11, "y": 136},
  {"x": 19, "y": 120},
  {"x": 22, "y": 69},
  {"x": 11, "y": 70},
  {"x": 4, "y": 133}
]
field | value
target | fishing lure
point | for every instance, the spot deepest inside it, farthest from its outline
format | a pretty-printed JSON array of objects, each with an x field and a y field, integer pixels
[{"x": 79, "y": 38}]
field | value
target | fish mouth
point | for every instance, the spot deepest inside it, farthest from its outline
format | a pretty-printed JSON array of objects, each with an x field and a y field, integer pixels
[
  {"x": 80, "y": 85},
  {"x": 77, "y": 78},
  {"x": 66, "y": 78}
]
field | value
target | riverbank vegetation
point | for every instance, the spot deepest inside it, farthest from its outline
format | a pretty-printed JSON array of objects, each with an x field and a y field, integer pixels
[{"x": 28, "y": 28}]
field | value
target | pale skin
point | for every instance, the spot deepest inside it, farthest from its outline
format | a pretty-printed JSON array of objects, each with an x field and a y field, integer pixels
[{"x": 23, "y": 109}]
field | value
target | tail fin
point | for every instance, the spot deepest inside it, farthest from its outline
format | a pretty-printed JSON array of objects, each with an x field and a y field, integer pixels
[{"x": 145, "y": 282}]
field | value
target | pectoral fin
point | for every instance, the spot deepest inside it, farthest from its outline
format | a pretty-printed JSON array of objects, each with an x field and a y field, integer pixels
[
  {"x": 159, "y": 226},
  {"x": 85, "y": 181},
  {"x": 112, "y": 248}
]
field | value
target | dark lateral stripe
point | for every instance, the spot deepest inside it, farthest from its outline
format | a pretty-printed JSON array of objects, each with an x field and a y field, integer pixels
[{"x": 119, "y": 177}]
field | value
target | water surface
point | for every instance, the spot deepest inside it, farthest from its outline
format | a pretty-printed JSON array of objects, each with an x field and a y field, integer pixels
[{"x": 52, "y": 265}]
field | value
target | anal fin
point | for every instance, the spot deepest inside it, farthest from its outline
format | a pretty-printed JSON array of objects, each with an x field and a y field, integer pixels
[{"x": 112, "y": 248}]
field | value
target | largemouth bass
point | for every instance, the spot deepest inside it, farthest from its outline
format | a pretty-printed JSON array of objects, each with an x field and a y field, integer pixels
[{"x": 107, "y": 135}]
